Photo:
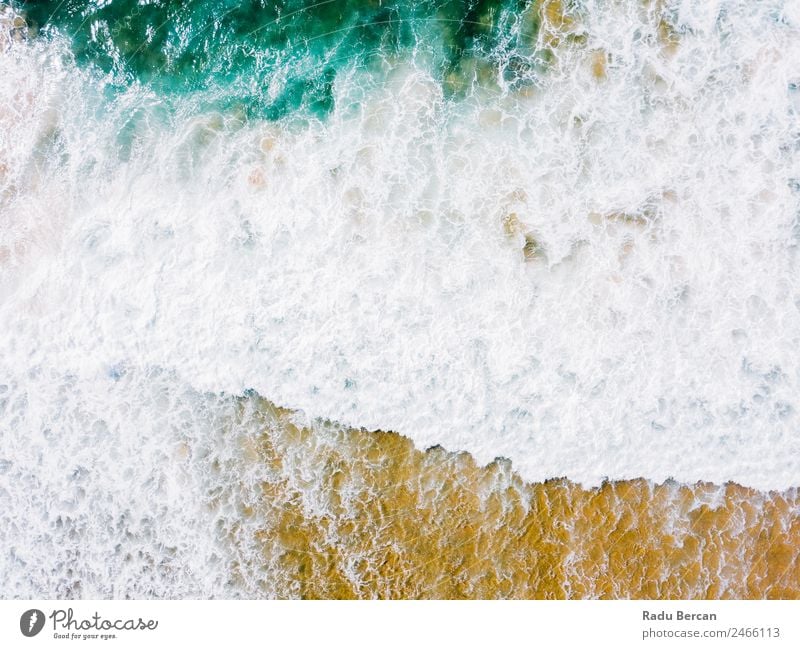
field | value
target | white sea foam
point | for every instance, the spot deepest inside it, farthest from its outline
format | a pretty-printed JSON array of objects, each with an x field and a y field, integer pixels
[{"x": 359, "y": 270}]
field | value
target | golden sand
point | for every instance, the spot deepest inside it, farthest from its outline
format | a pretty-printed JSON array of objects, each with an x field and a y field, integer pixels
[{"x": 358, "y": 514}]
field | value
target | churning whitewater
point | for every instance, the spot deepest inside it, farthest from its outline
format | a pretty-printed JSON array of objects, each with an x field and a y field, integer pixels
[{"x": 588, "y": 266}]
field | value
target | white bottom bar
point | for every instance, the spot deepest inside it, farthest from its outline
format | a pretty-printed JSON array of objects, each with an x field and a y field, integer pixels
[{"x": 370, "y": 625}]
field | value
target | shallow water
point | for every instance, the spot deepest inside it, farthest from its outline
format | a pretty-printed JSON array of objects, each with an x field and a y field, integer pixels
[{"x": 345, "y": 513}]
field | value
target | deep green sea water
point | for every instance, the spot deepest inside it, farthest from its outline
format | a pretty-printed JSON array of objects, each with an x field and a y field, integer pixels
[{"x": 269, "y": 59}]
